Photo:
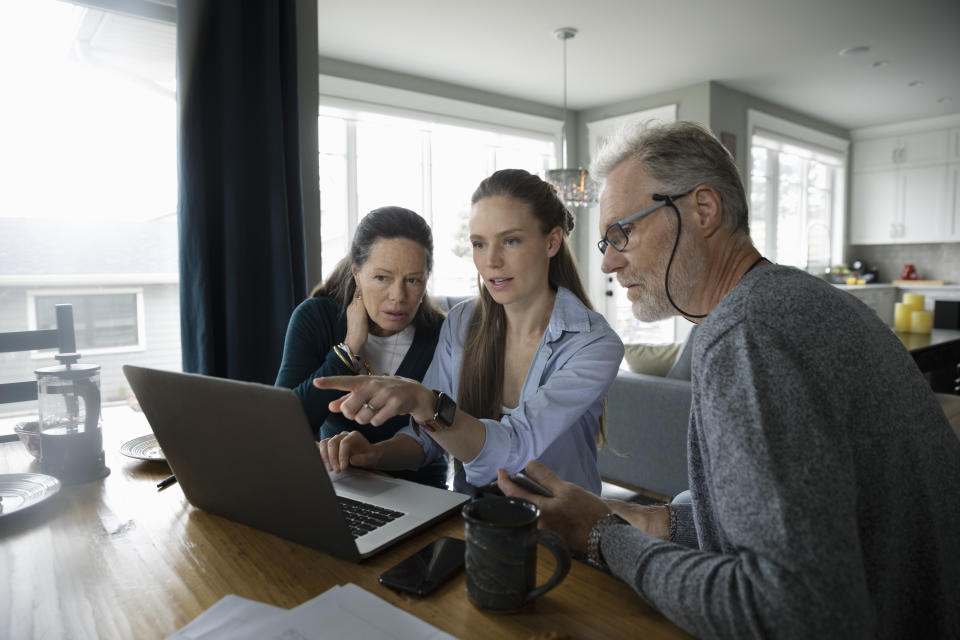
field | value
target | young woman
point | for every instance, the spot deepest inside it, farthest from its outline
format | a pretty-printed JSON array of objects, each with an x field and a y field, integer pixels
[
  {"x": 520, "y": 373},
  {"x": 371, "y": 316}
]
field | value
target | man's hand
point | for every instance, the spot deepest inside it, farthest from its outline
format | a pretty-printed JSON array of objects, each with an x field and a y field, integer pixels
[{"x": 571, "y": 512}]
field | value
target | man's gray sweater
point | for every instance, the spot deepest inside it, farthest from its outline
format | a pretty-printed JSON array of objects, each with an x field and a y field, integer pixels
[{"x": 825, "y": 478}]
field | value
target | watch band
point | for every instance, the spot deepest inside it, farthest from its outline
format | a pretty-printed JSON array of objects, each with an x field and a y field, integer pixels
[
  {"x": 444, "y": 412},
  {"x": 594, "y": 555}
]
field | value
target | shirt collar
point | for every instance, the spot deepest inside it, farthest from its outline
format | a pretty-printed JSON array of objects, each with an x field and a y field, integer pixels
[{"x": 569, "y": 314}]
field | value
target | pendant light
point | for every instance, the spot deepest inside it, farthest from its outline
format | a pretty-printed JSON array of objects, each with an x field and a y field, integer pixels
[{"x": 574, "y": 186}]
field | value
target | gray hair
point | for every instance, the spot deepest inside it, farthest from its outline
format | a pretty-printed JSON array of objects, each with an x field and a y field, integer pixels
[{"x": 680, "y": 156}]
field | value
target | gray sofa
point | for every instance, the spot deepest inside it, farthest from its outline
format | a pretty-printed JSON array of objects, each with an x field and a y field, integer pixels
[{"x": 647, "y": 419}]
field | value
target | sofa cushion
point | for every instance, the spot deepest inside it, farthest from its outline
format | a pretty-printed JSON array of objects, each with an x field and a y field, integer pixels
[
  {"x": 651, "y": 359},
  {"x": 681, "y": 367}
]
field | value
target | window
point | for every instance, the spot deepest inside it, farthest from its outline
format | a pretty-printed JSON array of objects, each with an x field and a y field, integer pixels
[
  {"x": 370, "y": 160},
  {"x": 109, "y": 321},
  {"x": 88, "y": 183},
  {"x": 796, "y": 193},
  {"x": 606, "y": 293}
]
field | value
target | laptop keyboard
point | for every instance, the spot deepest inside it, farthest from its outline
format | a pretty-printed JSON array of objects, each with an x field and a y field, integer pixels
[{"x": 362, "y": 517}]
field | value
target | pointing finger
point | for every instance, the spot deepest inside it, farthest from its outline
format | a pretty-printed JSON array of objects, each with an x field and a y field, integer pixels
[{"x": 342, "y": 383}]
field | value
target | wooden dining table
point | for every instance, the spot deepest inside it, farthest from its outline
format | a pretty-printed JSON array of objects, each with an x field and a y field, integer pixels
[{"x": 116, "y": 558}]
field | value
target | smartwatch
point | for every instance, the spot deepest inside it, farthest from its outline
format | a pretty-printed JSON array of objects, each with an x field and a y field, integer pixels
[{"x": 444, "y": 412}]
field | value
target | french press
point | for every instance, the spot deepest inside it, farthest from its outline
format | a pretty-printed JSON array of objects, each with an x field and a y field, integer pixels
[{"x": 71, "y": 441}]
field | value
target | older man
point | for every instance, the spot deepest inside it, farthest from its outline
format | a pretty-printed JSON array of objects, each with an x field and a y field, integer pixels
[{"x": 825, "y": 478}]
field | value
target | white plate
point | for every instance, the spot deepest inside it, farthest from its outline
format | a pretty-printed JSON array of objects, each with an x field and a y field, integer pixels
[
  {"x": 143, "y": 448},
  {"x": 22, "y": 490}
]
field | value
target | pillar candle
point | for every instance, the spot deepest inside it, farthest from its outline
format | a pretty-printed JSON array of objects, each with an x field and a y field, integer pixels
[
  {"x": 921, "y": 321},
  {"x": 915, "y": 300},
  {"x": 901, "y": 316}
]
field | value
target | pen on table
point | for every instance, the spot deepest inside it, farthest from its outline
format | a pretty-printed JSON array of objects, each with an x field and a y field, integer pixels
[{"x": 166, "y": 482}]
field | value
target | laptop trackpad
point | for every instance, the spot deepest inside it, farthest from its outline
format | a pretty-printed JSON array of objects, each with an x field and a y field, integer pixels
[{"x": 362, "y": 483}]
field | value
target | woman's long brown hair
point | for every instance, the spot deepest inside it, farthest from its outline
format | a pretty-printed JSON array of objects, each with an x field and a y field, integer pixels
[{"x": 481, "y": 370}]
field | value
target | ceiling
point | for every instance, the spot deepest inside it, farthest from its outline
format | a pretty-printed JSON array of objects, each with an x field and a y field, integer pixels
[{"x": 784, "y": 51}]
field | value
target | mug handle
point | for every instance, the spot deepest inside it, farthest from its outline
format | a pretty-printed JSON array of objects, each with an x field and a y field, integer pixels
[{"x": 558, "y": 547}]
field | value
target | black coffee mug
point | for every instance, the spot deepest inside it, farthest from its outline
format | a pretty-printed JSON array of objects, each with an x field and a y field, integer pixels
[{"x": 501, "y": 556}]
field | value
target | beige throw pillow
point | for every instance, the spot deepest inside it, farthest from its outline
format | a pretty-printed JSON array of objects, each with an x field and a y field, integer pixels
[{"x": 651, "y": 359}]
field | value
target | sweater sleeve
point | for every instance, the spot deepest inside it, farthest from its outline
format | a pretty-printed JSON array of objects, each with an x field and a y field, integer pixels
[
  {"x": 314, "y": 328},
  {"x": 786, "y": 559}
]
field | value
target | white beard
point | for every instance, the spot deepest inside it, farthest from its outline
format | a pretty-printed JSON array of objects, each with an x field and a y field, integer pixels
[{"x": 651, "y": 303}]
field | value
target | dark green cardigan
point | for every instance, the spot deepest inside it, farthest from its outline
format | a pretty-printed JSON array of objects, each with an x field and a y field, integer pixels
[{"x": 318, "y": 324}]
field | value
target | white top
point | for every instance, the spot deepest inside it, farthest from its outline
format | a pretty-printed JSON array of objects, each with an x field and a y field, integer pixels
[{"x": 386, "y": 354}]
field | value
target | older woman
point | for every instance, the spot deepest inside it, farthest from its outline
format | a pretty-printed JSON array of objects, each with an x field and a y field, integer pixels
[{"x": 371, "y": 316}]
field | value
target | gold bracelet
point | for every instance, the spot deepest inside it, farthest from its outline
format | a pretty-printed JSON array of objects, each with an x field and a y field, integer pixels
[{"x": 350, "y": 363}]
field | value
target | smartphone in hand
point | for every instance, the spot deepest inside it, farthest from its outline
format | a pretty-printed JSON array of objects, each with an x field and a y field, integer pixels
[
  {"x": 428, "y": 568},
  {"x": 530, "y": 484}
]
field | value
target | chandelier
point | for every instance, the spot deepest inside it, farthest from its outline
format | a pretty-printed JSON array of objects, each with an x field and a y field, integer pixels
[{"x": 574, "y": 186}]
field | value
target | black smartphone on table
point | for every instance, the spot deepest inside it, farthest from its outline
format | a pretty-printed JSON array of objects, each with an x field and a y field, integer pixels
[{"x": 428, "y": 568}]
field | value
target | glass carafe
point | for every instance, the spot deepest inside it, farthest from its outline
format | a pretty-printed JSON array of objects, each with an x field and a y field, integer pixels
[{"x": 71, "y": 441}]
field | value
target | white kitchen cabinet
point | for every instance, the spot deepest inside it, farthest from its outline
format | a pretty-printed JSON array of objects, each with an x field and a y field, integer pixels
[
  {"x": 923, "y": 204},
  {"x": 905, "y": 150},
  {"x": 900, "y": 206},
  {"x": 875, "y": 210},
  {"x": 952, "y": 230},
  {"x": 903, "y": 189}
]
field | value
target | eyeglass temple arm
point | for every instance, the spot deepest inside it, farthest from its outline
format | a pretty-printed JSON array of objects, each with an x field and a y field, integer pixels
[{"x": 660, "y": 197}]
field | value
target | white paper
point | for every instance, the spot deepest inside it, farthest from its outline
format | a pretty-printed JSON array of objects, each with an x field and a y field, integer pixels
[
  {"x": 340, "y": 613},
  {"x": 227, "y": 617}
]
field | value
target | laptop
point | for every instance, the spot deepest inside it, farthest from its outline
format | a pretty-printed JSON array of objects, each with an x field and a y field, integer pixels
[{"x": 245, "y": 451}]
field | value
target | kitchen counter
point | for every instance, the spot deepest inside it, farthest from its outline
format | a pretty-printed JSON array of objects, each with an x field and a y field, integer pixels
[
  {"x": 946, "y": 288},
  {"x": 882, "y": 296}
]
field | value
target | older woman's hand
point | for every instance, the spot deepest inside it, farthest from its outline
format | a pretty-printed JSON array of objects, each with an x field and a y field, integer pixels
[
  {"x": 375, "y": 399},
  {"x": 345, "y": 449},
  {"x": 358, "y": 324}
]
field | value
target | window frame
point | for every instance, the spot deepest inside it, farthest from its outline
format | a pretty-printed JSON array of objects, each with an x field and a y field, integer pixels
[
  {"x": 355, "y": 101},
  {"x": 141, "y": 345},
  {"x": 760, "y": 123}
]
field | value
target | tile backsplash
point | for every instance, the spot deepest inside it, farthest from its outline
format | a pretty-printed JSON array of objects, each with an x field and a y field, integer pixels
[{"x": 932, "y": 261}]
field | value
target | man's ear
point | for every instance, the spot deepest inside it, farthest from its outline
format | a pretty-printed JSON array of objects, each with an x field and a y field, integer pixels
[{"x": 708, "y": 209}]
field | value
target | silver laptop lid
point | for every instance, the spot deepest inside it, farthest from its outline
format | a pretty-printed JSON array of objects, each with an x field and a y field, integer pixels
[{"x": 246, "y": 452}]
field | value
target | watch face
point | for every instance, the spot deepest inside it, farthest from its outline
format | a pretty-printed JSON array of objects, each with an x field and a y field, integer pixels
[{"x": 446, "y": 409}]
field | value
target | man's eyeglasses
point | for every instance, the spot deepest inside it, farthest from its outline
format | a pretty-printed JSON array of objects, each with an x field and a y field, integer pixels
[{"x": 617, "y": 237}]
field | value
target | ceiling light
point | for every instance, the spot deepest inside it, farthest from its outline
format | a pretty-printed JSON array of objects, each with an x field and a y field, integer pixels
[
  {"x": 574, "y": 186},
  {"x": 880, "y": 64},
  {"x": 852, "y": 51}
]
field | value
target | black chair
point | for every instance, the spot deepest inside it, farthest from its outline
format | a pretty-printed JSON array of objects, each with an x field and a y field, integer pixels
[{"x": 63, "y": 338}]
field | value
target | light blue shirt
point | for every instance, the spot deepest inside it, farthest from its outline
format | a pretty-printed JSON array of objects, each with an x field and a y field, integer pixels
[{"x": 557, "y": 419}]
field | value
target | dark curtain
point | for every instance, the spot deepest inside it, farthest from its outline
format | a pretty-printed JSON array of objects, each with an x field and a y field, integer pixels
[{"x": 242, "y": 254}]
